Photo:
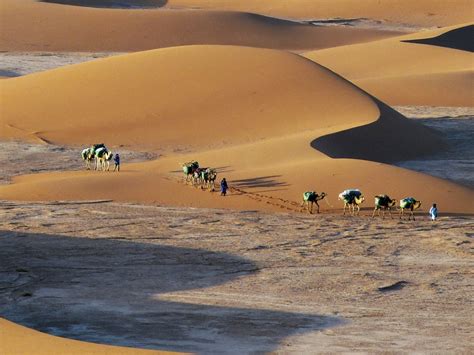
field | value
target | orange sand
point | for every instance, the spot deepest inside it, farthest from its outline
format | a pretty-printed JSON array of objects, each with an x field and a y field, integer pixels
[
  {"x": 257, "y": 119},
  {"x": 36, "y": 26},
  {"x": 406, "y": 73},
  {"x": 16, "y": 339},
  {"x": 421, "y": 12}
]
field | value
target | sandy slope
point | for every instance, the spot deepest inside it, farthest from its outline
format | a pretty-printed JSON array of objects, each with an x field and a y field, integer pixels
[
  {"x": 420, "y": 12},
  {"x": 262, "y": 125},
  {"x": 16, "y": 339},
  {"x": 406, "y": 71},
  {"x": 34, "y": 26}
]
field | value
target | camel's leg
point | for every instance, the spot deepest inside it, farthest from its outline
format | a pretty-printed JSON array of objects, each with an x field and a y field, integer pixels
[
  {"x": 344, "y": 209},
  {"x": 373, "y": 213},
  {"x": 358, "y": 209},
  {"x": 317, "y": 204}
]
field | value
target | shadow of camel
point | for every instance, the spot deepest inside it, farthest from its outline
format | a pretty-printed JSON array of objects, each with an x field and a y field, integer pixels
[
  {"x": 107, "y": 291},
  {"x": 114, "y": 4},
  {"x": 262, "y": 181}
]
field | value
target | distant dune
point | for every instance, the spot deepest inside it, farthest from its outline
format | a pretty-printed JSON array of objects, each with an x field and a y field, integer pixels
[
  {"x": 270, "y": 123},
  {"x": 427, "y": 68},
  {"x": 426, "y": 13},
  {"x": 37, "y": 26}
]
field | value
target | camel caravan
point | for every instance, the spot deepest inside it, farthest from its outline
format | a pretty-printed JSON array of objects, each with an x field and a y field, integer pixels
[
  {"x": 204, "y": 178},
  {"x": 352, "y": 198},
  {"x": 97, "y": 155}
]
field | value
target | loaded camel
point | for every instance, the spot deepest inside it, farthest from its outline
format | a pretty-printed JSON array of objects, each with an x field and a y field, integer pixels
[
  {"x": 188, "y": 169},
  {"x": 208, "y": 178},
  {"x": 310, "y": 198},
  {"x": 383, "y": 202},
  {"x": 351, "y": 198},
  {"x": 409, "y": 203},
  {"x": 103, "y": 156},
  {"x": 88, "y": 154}
]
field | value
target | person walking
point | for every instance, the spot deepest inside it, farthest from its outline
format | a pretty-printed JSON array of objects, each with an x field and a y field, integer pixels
[
  {"x": 434, "y": 212},
  {"x": 224, "y": 187},
  {"x": 117, "y": 162}
]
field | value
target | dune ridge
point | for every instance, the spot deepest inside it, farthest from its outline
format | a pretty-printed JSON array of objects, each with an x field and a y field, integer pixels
[
  {"x": 422, "y": 12},
  {"x": 260, "y": 138},
  {"x": 402, "y": 71},
  {"x": 33, "y": 26}
]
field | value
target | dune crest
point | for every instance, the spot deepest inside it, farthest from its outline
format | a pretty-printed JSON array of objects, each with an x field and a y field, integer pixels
[
  {"x": 402, "y": 71},
  {"x": 36, "y": 26},
  {"x": 421, "y": 12}
]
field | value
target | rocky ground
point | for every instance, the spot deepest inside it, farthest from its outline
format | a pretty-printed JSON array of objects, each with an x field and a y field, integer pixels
[{"x": 218, "y": 281}]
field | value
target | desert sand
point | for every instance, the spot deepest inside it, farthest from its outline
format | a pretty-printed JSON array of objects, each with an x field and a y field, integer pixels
[
  {"x": 142, "y": 259},
  {"x": 425, "y": 13},
  {"x": 432, "y": 68},
  {"x": 16, "y": 339},
  {"x": 29, "y": 25},
  {"x": 242, "y": 126}
]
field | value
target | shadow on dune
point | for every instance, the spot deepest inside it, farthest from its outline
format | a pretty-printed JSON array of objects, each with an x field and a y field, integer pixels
[
  {"x": 114, "y": 4},
  {"x": 106, "y": 291},
  {"x": 261, "y": 181},
  {"x": 460, "y": 38},
  {"x": 390, "y": 139}
]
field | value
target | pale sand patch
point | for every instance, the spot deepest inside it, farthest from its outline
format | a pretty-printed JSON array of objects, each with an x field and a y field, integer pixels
[{"x": 218, "y": 281}]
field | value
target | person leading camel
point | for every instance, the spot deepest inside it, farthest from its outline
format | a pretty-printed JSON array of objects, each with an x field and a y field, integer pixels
[{"x": 224, "y": 187}]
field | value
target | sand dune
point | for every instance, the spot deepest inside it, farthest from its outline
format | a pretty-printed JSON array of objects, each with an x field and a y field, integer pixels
[
  {"x": 16, "y": 339},
  {"x": 418, "y": 69},
  {"x": 421, "y": 12},
  {"x": 271, "y": 144},
  {"x": 270, "y": 93},
  {"x": 35, "y": 26}
]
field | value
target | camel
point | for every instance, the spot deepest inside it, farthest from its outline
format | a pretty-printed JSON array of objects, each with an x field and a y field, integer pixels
[
  {"x": 383, "y": 202},
  {"x": 87, "y": 156},
  {"x": 197, "y": 176},
  {"x": 103, "y": 158},
  {"x": 409, "y": 203},
  {"x": 310, "y": 198},
  {"x": 351, "y": 198},
  {"x": 208, "y": 178},
  {"x": 189, "y": 168}
]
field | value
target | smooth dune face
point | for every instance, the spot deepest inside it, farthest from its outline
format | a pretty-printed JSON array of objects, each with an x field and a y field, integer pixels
[
  {"x": 416, "y": 69},
  {"x": 111, "y": 3},
  {"x": 270, "y": 124},
  {"x": 197, "y": 95},
  {"x": 37, "y": 26},
  {"x": 421, "y": 12},
  {"x": 16, "y": 339}
]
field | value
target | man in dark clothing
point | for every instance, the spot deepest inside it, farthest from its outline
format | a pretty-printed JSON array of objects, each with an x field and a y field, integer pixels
[
  {"x": 224, "y": 187},
  {"x": 117, "y": 162}
]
